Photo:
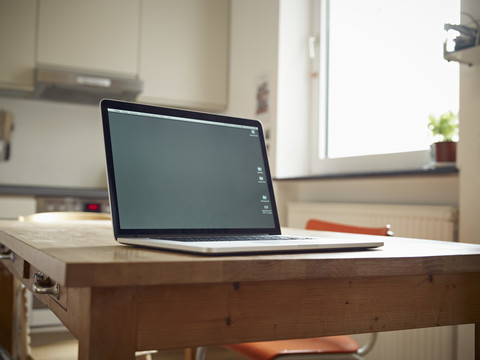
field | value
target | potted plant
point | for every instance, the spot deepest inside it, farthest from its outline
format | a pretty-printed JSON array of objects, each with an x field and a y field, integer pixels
[{"x": 444, "y": 129}]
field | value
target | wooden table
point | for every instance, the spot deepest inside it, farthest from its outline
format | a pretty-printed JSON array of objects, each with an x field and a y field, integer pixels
[{"x": 117, "y": 299}]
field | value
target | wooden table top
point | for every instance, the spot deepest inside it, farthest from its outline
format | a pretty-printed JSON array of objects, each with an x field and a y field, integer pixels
[{"x": 85, "y": 253}]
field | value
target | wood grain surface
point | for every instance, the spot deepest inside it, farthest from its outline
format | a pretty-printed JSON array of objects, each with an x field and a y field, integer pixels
[{"x": 86, "y": 254}]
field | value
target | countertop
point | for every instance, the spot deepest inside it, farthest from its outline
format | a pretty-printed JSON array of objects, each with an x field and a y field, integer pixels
[{"x": 52, "y": 191}]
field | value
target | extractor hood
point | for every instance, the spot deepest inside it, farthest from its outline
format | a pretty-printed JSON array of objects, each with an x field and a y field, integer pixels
[{"x": 81, "y": 87}]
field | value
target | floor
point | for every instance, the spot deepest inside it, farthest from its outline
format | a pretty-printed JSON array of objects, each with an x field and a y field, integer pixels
[
  {"x": 63, "y": 346},
  {"x": 53, "y": 346}
]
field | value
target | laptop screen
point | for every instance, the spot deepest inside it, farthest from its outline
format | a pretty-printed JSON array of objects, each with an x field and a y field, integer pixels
[{"x": 176, "y": 171}]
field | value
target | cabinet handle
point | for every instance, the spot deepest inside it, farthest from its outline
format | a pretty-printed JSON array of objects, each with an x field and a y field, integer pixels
[
  {"x": 48, "y": 290},
  {"x": 42, "y": 285},
  {"x": 7, "y": 255}
]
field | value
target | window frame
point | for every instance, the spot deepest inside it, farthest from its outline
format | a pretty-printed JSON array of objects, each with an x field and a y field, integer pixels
[{"x": 319, "y": 163}]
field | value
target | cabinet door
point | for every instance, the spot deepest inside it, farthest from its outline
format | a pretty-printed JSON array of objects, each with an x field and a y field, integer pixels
[
  {"x": 17, "y": 44},
  {"x": 92, "y": 35},
  {"x": 184, "y": 53}
]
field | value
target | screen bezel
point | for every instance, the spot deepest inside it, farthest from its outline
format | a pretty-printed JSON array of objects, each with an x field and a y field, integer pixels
[{"x": 157, "y": 110}]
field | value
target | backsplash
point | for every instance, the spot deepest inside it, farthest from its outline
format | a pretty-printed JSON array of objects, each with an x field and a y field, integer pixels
[{"x": 54, "y": 144}]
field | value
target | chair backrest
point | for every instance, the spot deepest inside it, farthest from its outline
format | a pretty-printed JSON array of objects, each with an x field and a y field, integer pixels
[
  {"x": 315, "y": 224},
  {"x": 56, "y": 216}
]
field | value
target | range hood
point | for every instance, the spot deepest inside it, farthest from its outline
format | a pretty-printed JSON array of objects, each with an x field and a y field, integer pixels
[{"x": 81, "y": 87}]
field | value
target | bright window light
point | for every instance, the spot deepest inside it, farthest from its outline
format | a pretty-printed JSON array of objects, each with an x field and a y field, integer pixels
[{"x": 385, "y": 75}]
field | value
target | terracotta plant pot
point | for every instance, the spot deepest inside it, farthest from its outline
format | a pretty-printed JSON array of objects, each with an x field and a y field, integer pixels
[{"x": 445, "y": 151}]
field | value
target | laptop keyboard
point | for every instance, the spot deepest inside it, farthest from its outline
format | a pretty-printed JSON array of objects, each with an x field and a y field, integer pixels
[{"x": 236, "y": 238}]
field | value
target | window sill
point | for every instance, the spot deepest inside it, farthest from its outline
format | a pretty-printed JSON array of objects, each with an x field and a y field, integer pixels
[{"x": 450, "y": 169}]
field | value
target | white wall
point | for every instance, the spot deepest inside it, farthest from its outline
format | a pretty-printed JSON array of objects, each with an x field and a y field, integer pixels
[
  {"x": 268, "y": 41},
  {"x": 253, "y": 54},
  {"x": 293, "y": 105},
  {"x": 54, "y": 144},
  {"x": 253, "y": 59}
]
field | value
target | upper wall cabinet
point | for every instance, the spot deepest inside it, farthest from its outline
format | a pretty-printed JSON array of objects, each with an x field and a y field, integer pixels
[
  {"x": 178, "y": 48},
  {"x": 99, "y": 36},
  {"x": 184, "y": 52},
  {"x": 17, "y": 44}
]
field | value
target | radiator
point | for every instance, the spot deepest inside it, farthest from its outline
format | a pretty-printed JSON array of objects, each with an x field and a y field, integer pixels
[
  {"x": 416, "y": 221},
  {"x": 424, "y": 222}
]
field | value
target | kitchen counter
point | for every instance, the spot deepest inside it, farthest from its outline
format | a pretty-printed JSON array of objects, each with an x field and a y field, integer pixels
[{"x": 52, "y": 191}]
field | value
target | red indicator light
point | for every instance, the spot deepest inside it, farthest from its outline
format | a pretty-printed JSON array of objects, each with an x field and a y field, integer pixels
[{"x": 92, "y": 207}]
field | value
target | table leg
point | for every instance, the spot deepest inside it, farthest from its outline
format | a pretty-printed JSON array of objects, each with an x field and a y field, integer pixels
[
  {"x": 189, "y": 353},
  {"x": 477, "y": 341},
  {"x": 6, "y": 308},
  {"x": 109, "y": 327}
]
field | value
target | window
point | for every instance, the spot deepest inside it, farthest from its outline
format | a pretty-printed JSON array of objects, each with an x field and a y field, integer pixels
[{"x": 381, "y": 73}]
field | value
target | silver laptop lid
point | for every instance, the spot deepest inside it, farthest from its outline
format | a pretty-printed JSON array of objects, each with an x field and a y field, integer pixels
[{"x": 175, "y": 172}]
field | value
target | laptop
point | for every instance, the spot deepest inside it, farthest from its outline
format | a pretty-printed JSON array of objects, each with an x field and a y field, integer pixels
[{"x": 195, "y": 182}]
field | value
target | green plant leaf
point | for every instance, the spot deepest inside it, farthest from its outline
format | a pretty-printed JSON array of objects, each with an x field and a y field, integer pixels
[{"x": 444, "y": 127}]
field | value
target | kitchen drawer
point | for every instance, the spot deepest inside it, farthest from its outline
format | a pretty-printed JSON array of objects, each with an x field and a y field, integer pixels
[{"x": 44, "y": 288}]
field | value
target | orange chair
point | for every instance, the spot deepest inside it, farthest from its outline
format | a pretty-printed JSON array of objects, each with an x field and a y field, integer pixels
[
  {"x": 341, "y": 347},
  {"x": 315, "y": 224},
  {"x": 328, "y": 347}
]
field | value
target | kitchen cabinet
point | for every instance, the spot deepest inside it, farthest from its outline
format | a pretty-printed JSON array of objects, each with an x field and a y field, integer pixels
[
  {"x": 12, "y": 206},
  {"x": 17, "y": 44},
  {"x": 184, "y": 53},
  {"x": 178, "y": 48},
  {"x": 89, "y": 35}
]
